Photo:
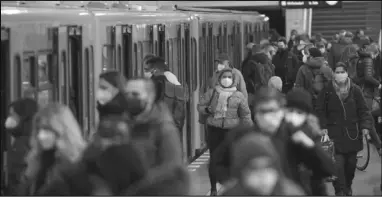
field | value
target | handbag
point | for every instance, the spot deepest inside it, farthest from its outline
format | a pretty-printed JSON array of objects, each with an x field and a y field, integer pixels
[
  {"x": 328, "y": 146},
  {"x": 203, "y": 117}
]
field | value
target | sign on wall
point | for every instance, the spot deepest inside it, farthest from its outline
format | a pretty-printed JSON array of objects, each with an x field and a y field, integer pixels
[{"x": 310, "y": 4}]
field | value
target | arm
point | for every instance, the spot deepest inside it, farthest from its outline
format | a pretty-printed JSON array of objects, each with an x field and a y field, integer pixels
[
  {"x": 363, "y": 112},
  {"x": 300, "y": 79},
  {"x": 321, "y": 110},
  {"x": 245, "y": 113},
  {"x": 369, "y": 70},
  {"x": 241, "y": 86},
  {"x": 331, "y": 58},
  {"x": 204, "y": 101}
]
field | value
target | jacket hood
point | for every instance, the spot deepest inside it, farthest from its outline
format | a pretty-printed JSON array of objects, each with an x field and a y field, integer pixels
[
  {"x": 364, "y": 54},
  {"x": 315, "y": 62}
]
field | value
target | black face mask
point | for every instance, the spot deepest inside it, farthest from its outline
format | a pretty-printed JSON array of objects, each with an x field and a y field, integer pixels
[
  {"x": 135, "y": 106},
  {"x": 114, "y": 107}
]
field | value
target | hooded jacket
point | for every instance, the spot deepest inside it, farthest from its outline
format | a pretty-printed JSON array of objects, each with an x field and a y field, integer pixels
[
  {"x": 368, "y": 78},
  {"x": 336, "y": 50}
]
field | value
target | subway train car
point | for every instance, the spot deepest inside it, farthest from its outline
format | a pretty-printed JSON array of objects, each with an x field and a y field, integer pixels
[{"x": 56, "y": 52}]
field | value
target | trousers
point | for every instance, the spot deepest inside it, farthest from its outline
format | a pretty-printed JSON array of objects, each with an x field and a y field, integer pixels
[{"x": 346, "y": 165}]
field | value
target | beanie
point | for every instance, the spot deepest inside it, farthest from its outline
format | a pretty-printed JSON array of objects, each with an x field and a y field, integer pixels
[
  {"x": 275, "y": 82},
  {"x": 300, "y": 99},
  {"x": 314, "y": 52}
]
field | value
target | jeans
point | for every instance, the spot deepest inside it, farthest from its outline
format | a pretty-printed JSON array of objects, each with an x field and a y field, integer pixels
[
  {"x": 215, "y": 138},
  {"x": 346, "y": 165}
]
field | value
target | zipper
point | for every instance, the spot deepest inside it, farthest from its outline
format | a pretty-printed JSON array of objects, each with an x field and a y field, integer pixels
[
  {"x": 343, "y": 107},
  {"x": 227, "y": 110},
  {"x": 345, "y": 117}
]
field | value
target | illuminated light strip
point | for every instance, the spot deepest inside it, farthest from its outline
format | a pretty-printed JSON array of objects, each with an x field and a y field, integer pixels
[{"x": 193, "y": 166}]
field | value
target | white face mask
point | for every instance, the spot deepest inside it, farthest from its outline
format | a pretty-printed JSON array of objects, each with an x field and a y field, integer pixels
[
  {"x": 226, "y": 82},
  {"x": 322, "y": 50},
  {"x": 297, "y": 119},
  {"x": 270, "y": 122},
  {"x": 11, "y": 123},
  {"x": 341, "y": 77},
  {"x": 148, "y": 74},
  {"x": 261, "y": 181},
  {"x": 103, "y": 96},
  {"x": 305, "y": 58},
  {"x": 47, "y": 139},
  {"x": 221, "y": 67}
]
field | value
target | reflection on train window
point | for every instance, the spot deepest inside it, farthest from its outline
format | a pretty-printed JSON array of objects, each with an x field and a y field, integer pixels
[
  {"x": 27, "y": 71},
  {"x": 19, "y": 76},
  {"x": 43, "y": 70},
  {"x": 45, "y": 91},
  {"x": 107, "y": 57},
  {"x": 139, "y": 60},
  {"x": 135, "y": 59}
]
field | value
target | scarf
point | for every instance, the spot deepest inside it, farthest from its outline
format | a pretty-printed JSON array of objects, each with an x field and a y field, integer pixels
[
  {"x": 342, "y": 92},
  {"x": 222, "y": 106},
  {"x": 171, "y": 78}
]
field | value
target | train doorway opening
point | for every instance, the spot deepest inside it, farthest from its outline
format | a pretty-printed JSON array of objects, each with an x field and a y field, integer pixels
[{"x": 276, "y": 19}]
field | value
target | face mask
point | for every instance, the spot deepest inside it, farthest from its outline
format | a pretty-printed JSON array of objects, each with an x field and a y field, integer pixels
[
  {"x": 270, "y": 122},
  {"x": 226, "y": 82},
  {"x": 261, "y": 181},
  {"x": 103, "y": 96},
  {"x": 305, "y": 58},
  {"x": 221, "y": 67},
  {"x": 10, "y": 123},
  {"x": 47, "y": 139},
  {"x": 340, "y": 78},
  {"x": 135, "y": 106},
  {"x": 148, "y": 74},
  {"x": 297, "y": 119},
  {"x": 323, "y": 50}
]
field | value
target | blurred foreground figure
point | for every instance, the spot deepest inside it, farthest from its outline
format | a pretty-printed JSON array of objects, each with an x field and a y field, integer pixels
[
  {"x": 19, "y": 125},
  {"x": 256, "y": 166}
]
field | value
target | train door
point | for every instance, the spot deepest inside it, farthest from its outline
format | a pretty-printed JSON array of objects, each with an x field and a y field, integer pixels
[
  {"x": 161, "y": 41},
  {"x": 127, "y": 51},
  {"x": 155, "y": 39},
  {"x": 4, "y": 99}
]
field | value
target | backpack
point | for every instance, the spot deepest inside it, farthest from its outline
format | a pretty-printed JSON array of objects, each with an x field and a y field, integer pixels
[
  {"x": 175, "y": 96},
  {"x": 352, "y": 64},
  {"x": 348, "y": 52},
  {"x": 319, "y": 81}
]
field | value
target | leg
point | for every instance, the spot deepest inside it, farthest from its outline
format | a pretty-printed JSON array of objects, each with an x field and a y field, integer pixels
[
  {"x": 350, "y": 167},
  {"x": 214, "y": 139},
  {"x": 340, "y": 183}
]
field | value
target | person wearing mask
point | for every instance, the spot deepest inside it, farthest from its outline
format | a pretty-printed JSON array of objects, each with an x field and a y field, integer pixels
[
  {"x": 314, "y": 74},
  {"x": 56, "y": 142},
  {"x": 110, "y": 100},
  {"x": 249, "y": 54},
  {"x": 361, "y": 39},
  {"x": 301, "y": 42},
  {"x": 273, "y": 36},
  {"x": 293, "y": 145},
  {"x": 257, "y": 169},
  {"x": 286, "y": 64},
  {"x": 343, "y": 114},
  {"x": 321, "y": 46},
  {"x": 156, "y": 135},
  {"x": 249, "y": 69},
  {"x": 226, "y": 107},
  {"x": 18, "y": 124},
  {"x": 292, "y": 39},
  {"x": 224, "y": 63},
  {"x": 336, "y": 51},
  {"x": 275, "y": 82}
]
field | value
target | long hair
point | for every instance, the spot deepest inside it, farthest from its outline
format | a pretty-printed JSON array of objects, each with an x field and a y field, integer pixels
[{"x": 70, "y": 142}]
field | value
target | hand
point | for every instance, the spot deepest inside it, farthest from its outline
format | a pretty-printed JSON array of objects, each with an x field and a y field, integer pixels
[
  {"x": 301, "y": 138},
  {"x": 380, "y": 86},
  {"x": 365, "y": 132},
  {"x": 325, "y": 131}
]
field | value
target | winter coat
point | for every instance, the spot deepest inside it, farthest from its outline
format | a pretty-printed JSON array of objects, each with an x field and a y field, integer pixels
[
  {"x": 344, "y": 120},
  {"x": 239, "y": 82},
  {"x": 286, "y": 66},
  {"x": 259, "y": 70},
  {"x": 237, "y": 109},
  {"x": 335, "y": 53},
  {"x": 367, "y": 76},
  {"x": 26, "y": 108},
  {"x": 115, "y": 107},
  {"x": 305, "y": 75}
]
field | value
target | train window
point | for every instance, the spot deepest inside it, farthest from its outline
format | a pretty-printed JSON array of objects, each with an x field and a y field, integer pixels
[
  {"x": 20, "y": 76},
  {"x": 147, "y": 48},
  {"x": 184, "y": 60},
  {"x": 107, "y": 57},
  {"x": 174, "y": 63},
  {"x": 194, "y": 63},
  {"x": 156, "y": 47},
  {"x": 29, "y": 79},
  {"x": 135, "y": 60},
  {"x": 45, "y": 91},
  {"x": 119, "y": 57},
  {"x": 168, "y": 55},
  {"x": 139, "y": 60}
]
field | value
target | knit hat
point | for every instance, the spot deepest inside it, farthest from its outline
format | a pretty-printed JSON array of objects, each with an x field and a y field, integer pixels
[
  {"x": 314, "y": 52},
  {"x": 300, "y": 99},
  {"x": 275, "y": 82},
  {"x": 115, "y": 78},
  {"x": 250, "y": 147}
]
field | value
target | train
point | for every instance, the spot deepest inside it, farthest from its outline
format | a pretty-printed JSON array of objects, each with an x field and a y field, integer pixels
[{"x": 55, "y": 52}]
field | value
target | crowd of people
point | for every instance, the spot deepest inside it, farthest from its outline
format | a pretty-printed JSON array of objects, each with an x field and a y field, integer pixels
[{"x": 265, "y": 125}]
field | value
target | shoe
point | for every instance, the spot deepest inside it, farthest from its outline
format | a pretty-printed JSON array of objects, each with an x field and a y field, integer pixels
[
  {"x": 213, "y": 193},
  {"x": 349, "y": 192},
  {"x": 341, "y": 193}
]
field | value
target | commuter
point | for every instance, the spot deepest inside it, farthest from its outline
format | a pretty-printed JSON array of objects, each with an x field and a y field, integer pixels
[
  {"x": 292, "y": 39},
  {"x": 361, "y": 39},
  {"x": 300, "y": 113},
  {"x": 314, "y": 74},
  {"x": 286, "y": 64},
  {"x": 224, "y": 63},
  {"x": 276, "y": 82},
  {"x": 226, "y": 107},
  {"x": 248, "y": 70},
  {"x": 156, "y": 135},
  {"x": 342, "y": 110},
  {"x": 110, "y": 100},
  {"x": 273, "y": 36},
  {"x": 248, "y": 55},
  {"x": 256, "y": 165},
  {"x": 295, "y": 148},
  {"x": 56, "y": 142},
  {"x": 321, "y": 46},
  {"x": 18, "y": 124},
  {"x": 301, "y": 42},
  {"x": 337, "y": 49}
]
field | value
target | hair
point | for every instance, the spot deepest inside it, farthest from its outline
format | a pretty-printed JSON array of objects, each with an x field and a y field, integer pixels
[
  {"x": 293, "y": 31},
  {"x": 282, "y": 39},
  {"x": 157, "y": 63},
  {"x": 115, "y": 78},
  {"x": 70, "y": 142},
  {"x": 148, "y": 57},
  {"x": 266, "y": 48},
  {"x": 307, "y": 47},
  {"x": 225, "y": 71},
  {"x": 266, "y": 94},
  {"x": 340, "y": 64}
]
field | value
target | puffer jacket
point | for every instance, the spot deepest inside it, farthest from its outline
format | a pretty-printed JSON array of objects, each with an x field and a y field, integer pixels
[
  {"x": 336, "y": 50},
  {"x": 368, "y": 78},
  {"x": 305, "y": 75},
  {"x": 238, "y": 109}
]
